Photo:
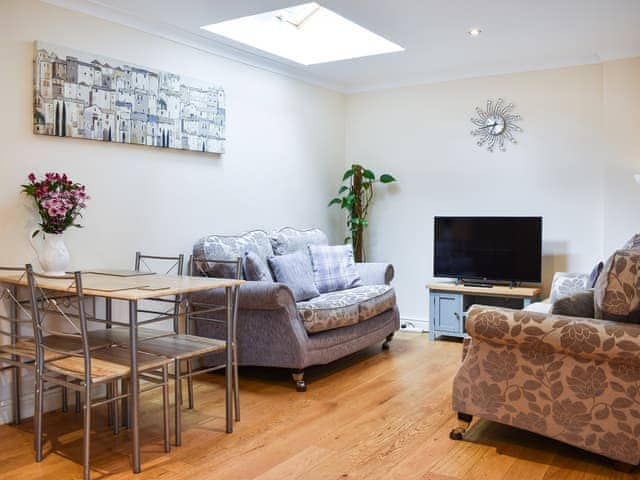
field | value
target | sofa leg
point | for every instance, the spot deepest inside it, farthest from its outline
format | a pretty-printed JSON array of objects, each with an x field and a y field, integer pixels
[
  {"x": 298, "y": 377},
  {"x": 464, "y": 421},
  {"x": 387, "y": 341},
  {"x": 623, "y": 467}
]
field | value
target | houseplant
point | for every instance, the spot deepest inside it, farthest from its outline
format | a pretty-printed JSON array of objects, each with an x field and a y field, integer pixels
[
  {"x": 59, "y": 201},
  {"x": 355, "y": 197}
]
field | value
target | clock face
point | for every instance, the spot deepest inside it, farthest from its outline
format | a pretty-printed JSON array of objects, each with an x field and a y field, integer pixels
[{"x": 495, "y": 125}]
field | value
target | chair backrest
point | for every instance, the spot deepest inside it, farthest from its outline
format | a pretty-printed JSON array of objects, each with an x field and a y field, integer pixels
[
  {"x": 202, "y": 267},
  {"x": 43, "y": 307},
  {"x": 176, "y": 263}
]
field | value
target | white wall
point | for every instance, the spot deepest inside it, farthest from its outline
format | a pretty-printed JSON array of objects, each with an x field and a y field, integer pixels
[
  {"x": 285, "y": 148},
  {"x": 421, "y": 135}
]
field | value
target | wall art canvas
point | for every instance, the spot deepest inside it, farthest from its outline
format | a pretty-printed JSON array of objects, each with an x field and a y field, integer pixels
[{"x": 81, "y": 95}]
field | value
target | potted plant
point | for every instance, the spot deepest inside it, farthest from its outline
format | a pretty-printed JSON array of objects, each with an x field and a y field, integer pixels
[
  {"x": 355, "y": 197},
  {"x": 59, "y": 202}
]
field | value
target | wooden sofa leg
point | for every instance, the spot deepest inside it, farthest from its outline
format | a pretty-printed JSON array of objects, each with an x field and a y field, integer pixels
[
  {"x": 623, "y": 467},
  {"x": 464, "y": 421},
  {"x": 387, "y": 341},
  {"x": 298, "y": 377}
]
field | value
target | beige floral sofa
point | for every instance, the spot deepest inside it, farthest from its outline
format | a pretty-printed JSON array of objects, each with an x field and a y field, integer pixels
[{"x": 573, "y": 379}]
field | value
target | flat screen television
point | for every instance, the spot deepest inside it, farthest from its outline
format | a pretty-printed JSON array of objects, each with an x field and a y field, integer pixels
[{"x": 488, "y": 248}]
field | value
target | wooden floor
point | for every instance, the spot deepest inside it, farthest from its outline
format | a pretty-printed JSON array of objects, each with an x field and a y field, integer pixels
[{"x": 375, "y": 415}]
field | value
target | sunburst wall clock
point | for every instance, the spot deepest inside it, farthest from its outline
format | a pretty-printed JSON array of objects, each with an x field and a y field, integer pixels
[{"x": 496, "y": 125}]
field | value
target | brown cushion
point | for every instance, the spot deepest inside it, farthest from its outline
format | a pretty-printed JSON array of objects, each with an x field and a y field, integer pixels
[
  {"x": 577, "y": 305},
  {"x": 617, "y": 291}
]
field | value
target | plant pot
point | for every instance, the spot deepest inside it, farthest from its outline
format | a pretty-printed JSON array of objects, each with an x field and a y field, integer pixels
[{"x": 53, "y": 254}]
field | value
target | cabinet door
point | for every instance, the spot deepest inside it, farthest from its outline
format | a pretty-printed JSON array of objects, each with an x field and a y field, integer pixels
[{"x": 448, "y": 314}]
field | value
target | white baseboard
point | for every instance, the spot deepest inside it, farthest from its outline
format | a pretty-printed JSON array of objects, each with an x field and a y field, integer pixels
[
  {"x": 52, "y": 400},
  {"x": 409, "y": 324}
]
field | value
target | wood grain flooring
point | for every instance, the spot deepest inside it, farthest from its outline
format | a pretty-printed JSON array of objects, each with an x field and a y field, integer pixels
[{"x": 374, "y": 415}]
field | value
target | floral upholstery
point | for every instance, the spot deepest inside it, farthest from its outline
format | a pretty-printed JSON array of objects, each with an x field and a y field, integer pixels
[
  {"x": 573, "y": 379},
  {"x": 346, "y": 307},
  {"x": 289, "y": 240},
  {"x": 230, "y": 247},
  {"x": 617, "y": 290}
]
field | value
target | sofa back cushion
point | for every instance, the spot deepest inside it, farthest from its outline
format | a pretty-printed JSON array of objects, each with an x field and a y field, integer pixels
[
  {"x": 333, "y": 267},
  {"x": 289, "y": 240},
  {"x": 256, "y": 268},
  {"x": 230, "y": 247},
  {"x": 617, "y": 290},
  {"x": 294, "y": 270},
  {"x": 632, "y": 243}
]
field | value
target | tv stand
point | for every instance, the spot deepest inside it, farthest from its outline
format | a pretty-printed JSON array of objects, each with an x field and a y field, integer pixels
[
  {"x": 449, "y": 302},
  {"x": 476, "y": 284}
]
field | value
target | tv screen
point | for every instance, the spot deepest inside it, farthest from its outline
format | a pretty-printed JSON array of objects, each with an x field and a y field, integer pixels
[{"x": 488, "y": 248}]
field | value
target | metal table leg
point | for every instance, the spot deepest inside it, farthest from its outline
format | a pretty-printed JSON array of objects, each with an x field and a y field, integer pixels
[
  {"x": 228, "y": 373},
  {"x": 16, "y": 371},
  {"x": 135, "y": 388}
]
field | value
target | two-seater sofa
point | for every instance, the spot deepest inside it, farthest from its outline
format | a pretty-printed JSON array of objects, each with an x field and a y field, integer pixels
[{"x": 275, "y": 331}]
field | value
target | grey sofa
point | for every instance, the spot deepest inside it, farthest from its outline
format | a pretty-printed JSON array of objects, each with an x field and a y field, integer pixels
[{"x": 274, "y": 331}]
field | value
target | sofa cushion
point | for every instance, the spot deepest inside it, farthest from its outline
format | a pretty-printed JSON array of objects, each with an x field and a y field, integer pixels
[
  {"x": 632, "y": 243},
  {"x": 595, "y": 274},
  {"x": 346, "y": 307},
  {"x": 566, "y": 284},
  {"x": 256, "y": 268},
  {"x": 577, "y": 305},
  {"x": 230, "y": 247},
  {"x": 617, "y": 290},
  {"x": 294, "y": 270},
  {"x": 289, "y": 240},
  {"x": 334, "y": 267}
]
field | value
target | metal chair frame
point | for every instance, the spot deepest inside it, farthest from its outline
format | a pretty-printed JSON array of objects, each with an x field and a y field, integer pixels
[
  {"x": 178, "y": 375},
  {"x": 197, "y": 265},
  {"x": 82, "y": 381}
]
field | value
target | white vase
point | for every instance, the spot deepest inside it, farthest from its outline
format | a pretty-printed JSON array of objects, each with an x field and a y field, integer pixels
[{"x": 53, "y": 255}]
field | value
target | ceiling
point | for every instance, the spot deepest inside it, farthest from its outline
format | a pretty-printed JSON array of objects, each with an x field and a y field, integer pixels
[{"x": 518, "y": 35}]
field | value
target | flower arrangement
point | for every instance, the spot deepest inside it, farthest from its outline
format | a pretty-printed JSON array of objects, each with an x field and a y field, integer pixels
[{"x": 59, "y": 201}]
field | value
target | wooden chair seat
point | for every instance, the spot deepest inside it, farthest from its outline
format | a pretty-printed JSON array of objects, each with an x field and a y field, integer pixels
[
  {"x": 120, "y": 335},
  {"x": 182, "y": 347},
  {"x": 107, "y": 364},
  {"x": 27, "y": 348}
]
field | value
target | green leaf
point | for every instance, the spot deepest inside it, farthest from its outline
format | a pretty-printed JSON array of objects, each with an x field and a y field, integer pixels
[
  {"x": 347, "y": 174},
  {"x": 347, "y": 239},
  {"x": 355, "y": 221},
  {"x": 335, "y": 201},
  {"x": 35, "y": 233},
  {"x": 386, "y": 178},
  {"x": 343, "y": 189},
  {"x": 368, "y": 174}
]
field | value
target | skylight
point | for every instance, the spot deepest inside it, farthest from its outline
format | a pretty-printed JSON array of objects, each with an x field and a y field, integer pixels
[{"x": 307, "y": 34}]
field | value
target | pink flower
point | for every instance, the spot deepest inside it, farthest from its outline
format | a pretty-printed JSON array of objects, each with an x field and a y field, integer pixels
[{"x": 32, "y": 177}]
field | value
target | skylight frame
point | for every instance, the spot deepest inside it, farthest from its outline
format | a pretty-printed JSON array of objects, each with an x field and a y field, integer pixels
[{"x": 308, "y": 34}]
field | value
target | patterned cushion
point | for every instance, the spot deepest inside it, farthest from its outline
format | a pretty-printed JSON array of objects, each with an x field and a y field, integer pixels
[
  {"x": 617, "y": 291},
  {"x": 289, "y": 240},
  {"x": 566, "y": 284},
  {"x": 256, "y": 269},
  {"x": 577, "y": 305},
  {"x": 230, "y": 247},
  {"x": 346, "y": 307},
  {"x": 632, "y": 243},
  {"x": 334, "y": 267},
  {"x": 294, "y": 270}
]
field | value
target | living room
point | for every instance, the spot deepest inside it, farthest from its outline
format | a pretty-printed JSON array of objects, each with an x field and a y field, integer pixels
[{"x": 552, "y": 87}]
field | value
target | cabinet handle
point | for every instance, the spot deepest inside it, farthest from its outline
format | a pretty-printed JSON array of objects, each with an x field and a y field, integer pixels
[{"x": 457, "y": 315}]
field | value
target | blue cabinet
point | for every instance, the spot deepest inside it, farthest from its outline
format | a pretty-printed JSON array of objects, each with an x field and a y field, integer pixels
[{"x": 448, "y": 304}]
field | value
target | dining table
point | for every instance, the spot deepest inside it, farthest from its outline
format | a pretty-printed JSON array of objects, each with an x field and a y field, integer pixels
[{"x": 132, "y": 288}]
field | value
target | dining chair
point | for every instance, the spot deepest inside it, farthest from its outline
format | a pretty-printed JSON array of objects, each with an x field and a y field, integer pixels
[
  {"x": 20, "y": 352},
  {"x": 181, "y": 348},
  {"x": 65, "y": 357}
]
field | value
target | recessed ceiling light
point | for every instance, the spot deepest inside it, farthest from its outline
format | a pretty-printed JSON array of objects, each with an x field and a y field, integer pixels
[
  {"x": 474, "y": 32},
  {"x": 307, "y": 34}
]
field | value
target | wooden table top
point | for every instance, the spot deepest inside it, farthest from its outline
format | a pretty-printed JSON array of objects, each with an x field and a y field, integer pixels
[{"x": 125, "y": 288}]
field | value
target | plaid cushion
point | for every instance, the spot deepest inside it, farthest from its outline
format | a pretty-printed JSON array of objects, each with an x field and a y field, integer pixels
[{"x": 333, "y": 267}]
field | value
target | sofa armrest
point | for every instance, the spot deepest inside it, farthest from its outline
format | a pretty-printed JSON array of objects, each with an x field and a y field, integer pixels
[
  {"x": 542, "y": 335},
  {"x": 375, "y": 273},
  {"x": 252, "y": 296}
]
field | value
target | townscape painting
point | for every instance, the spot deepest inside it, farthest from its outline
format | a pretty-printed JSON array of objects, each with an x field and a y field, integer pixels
[{"x": 82, "y": 95}]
